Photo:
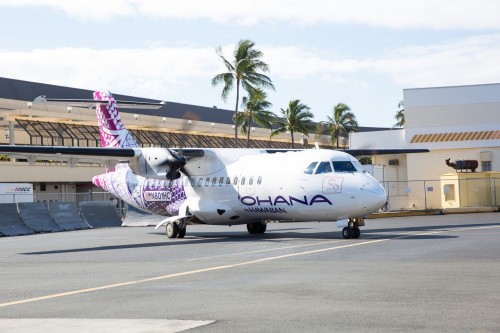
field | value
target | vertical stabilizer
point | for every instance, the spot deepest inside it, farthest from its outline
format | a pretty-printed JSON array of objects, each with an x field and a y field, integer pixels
[{"x": 111, "y": 129}]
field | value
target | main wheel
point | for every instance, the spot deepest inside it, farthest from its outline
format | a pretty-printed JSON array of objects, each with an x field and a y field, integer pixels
[
  {"x": 182, "y": 233},
  {"x": 252, "y": 228},
  {"x": 261, "y": 227},
  {"x": 356, "y": 232},
  {"x": 347, "y": 233},
  {"x": 172, "y": 230}
]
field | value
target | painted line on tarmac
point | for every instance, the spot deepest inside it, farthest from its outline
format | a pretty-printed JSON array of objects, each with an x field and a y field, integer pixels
[
  {"x": 222, "y": 267},
  {"x": 266, "y": 250}
]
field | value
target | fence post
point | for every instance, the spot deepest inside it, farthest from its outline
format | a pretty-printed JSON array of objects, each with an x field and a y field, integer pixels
[{"x": 425, "y": 195}]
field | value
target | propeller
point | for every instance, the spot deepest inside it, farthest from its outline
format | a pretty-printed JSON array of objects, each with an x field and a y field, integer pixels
[{"x": 175, "y": 163}]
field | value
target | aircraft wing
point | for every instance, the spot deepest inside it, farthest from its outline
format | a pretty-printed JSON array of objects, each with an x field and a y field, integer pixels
[
  {"x": 72, "y": 155},
  {"x": 382, "y": 151}
]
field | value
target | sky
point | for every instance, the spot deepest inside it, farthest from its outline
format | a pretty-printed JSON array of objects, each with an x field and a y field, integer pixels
[{"x": 359, "y": 52}]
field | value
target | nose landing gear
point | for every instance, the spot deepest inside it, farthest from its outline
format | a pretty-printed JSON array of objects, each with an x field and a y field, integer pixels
[{"x": 352, "y": 229}]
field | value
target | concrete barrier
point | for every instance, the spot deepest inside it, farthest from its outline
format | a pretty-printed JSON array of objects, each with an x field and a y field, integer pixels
[
  {"x": 10, "y": 221},
  {"x": 99, "y": 214},
  {"x": 36, "y": 216},
  {"x": 138, "y": 218},
  {"x": 67, "y": 216}
]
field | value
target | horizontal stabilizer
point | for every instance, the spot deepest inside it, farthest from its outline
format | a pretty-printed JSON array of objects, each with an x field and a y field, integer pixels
[{"x": 90, "y": 103}]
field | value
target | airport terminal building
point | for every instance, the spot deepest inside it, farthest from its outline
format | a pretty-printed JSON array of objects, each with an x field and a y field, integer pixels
[{"x": 457, "y": 124}]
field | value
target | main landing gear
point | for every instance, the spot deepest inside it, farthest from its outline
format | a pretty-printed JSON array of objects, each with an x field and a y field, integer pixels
[
  {"x": 257, "y": 228},
  {"x": 352, "y": 229},
  {"x": 173, "y": 230}
]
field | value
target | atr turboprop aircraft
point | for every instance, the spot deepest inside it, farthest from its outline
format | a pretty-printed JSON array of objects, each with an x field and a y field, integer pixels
[{"x": 221, "y": 186}]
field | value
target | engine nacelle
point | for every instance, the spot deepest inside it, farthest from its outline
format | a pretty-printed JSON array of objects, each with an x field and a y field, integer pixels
[{"x": 158, "y": 163}]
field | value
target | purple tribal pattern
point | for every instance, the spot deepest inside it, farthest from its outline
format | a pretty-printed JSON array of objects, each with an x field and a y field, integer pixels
[
  {"x": 161, "y": 197},
  {"x": 112, "y": 131}
]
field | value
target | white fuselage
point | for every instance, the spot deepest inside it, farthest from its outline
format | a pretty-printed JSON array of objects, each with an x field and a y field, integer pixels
[{"x": 260, "y": 186}]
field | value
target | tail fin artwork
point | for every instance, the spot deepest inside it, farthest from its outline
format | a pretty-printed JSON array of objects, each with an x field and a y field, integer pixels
[{"x": 111, "y": 128}]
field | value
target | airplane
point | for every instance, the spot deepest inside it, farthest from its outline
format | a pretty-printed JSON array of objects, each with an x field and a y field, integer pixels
[{"x": 221, "y": 186}]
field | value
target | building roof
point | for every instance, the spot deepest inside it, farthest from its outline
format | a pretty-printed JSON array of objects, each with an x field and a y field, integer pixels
[{"x": 28, "y": 91}]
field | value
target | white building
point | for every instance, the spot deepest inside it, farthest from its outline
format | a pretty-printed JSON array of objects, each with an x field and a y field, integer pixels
[{"x": 456, "y": 123}]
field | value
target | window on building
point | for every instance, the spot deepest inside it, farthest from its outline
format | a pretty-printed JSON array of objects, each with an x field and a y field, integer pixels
[{"x": 486, "y": 165}]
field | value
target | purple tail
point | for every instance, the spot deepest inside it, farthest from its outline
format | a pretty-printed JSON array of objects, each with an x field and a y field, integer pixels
[{"x": 112, "y": 131}]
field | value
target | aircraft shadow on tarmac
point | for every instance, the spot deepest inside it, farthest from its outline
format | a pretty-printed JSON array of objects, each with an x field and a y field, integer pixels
[{"x": 278, "y": 235}]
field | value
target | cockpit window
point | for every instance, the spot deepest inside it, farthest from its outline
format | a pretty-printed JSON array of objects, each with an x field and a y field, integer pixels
[
  {"x": 309, "y": 170},
  {"x": 344, "y": 166},
  {"x": 324, "y": 167}
]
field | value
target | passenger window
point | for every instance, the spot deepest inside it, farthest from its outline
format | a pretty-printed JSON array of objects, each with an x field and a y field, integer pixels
[
  {"x": 242, "y": 180},
  {"x": 324, "y": 167},
  {"x": 259, "y": 180},
  {"x": 309, "y": 170},
  {"x": 214, "y": 181},
  {"x": 344, "y": 166},
  {"x": 200, "y": 182},
  {"x": 193, "y": 182},
  {"x": 250, "y": 181},
  {"x": 235, "y": 181},
  {"x": 228, "y": 181},
  {"x": 207, "y": 181},
  {"x": 221, "y": 181}
]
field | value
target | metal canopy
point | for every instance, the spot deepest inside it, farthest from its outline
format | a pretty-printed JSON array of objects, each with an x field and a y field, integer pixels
[{"x": 45, "y": 133}]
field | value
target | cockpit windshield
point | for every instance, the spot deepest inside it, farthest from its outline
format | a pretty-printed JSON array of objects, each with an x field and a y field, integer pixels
[
  {"x": 310, "y": 169},
  {"x": 344, "y": 166},
  {"x": 324, "y": 167}
]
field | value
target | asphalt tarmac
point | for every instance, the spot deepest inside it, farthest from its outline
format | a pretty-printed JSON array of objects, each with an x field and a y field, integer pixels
[{"x": 429, "y": 274}]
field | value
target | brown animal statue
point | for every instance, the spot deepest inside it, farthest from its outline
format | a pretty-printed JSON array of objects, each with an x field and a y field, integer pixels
[{"x": 463, "y": 165}]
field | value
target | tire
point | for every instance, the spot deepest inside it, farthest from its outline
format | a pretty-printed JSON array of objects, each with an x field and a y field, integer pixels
[
  {"x": 356, "y": 232},
  {"x": 171, "y": 230},
  {"x": 182, "y": 233},
  {"x": 252, "y": 228},
  {"x": 346, "y": 233},
  {"x": 261, "y": 227}
]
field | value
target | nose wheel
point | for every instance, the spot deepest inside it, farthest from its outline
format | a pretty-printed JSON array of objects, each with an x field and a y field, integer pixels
[{"x": 351, "y": 232}]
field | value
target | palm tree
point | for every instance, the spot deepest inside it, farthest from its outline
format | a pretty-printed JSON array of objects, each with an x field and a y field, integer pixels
[
  {"x": 343, "y": 120},
  {"x": 255, "y": 110},
  {"x": 400, "y": 115},
  {"x": 296, "y": 118},
  {"x": 242, "y": 71}
]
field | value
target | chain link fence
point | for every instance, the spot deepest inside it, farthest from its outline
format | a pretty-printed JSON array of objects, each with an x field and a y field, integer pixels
[{"x": 438, "y": 194}]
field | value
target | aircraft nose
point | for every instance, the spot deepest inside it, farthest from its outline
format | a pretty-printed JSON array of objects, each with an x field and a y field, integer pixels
[{"x": 376, "y": 194}]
